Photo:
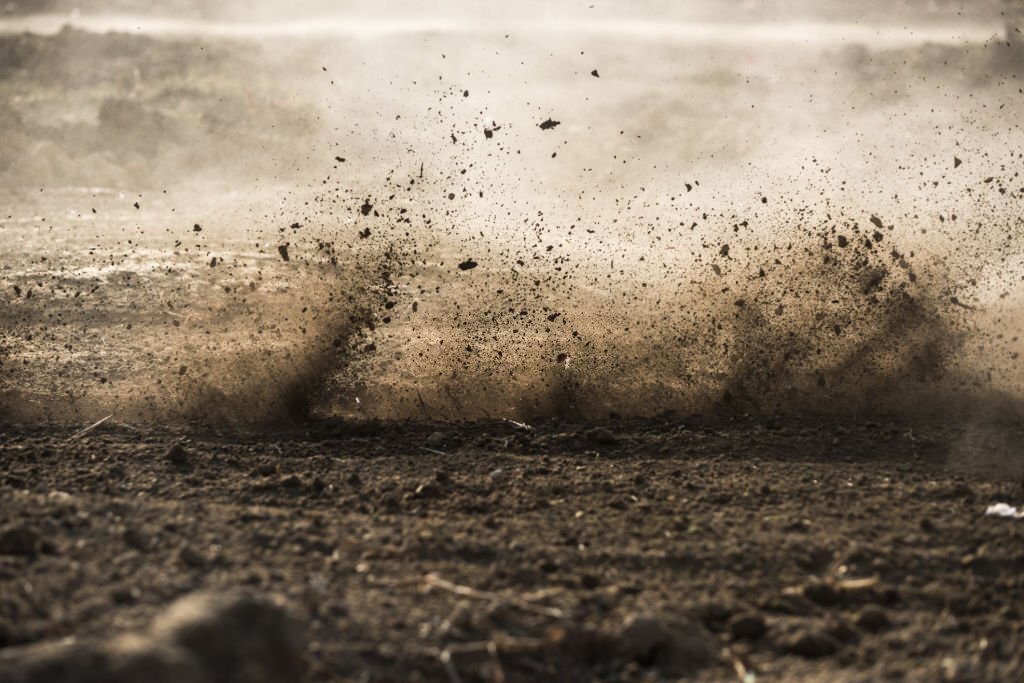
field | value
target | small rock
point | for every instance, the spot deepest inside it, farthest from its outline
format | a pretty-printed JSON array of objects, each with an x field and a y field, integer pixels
[
  {"x": 872, "y": 619},
  {"x": 20, "y": 540},
  {"x": 812, "y": 644},
  {"x": 747, "y": 626},
  {"x": 497, "y": 476},
  {"x": 435, "y": 440}
]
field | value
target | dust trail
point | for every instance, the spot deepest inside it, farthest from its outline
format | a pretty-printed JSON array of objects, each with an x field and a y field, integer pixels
[{"x": 535, "y": 225}]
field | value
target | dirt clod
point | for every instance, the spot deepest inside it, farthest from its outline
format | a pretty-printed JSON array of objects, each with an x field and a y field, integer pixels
[
  {"x": 177, "y": 454},
  {"x": 19, "y": 540},
  {"x": 200, "y": 639},
  {"x": 747, "y": 626},
  {"x": 872, "y": 619},
  {"x": 812, "y": 643},
  {"x": 672, "y": 643}
]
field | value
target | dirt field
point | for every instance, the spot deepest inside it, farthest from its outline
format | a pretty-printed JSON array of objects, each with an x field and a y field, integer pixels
[
  {"x": 598, "y": 346},
  {"x": 789, "y": 549}
]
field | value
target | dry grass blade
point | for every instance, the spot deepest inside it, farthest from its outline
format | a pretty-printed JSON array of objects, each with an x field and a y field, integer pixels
[
  {"x": 79, "y": 434},
  {"x": 435, "y": 581},
  {"x": 518, "y": 425}
]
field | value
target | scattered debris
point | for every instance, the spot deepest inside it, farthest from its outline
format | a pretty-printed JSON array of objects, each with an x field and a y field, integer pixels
[
  {"x": 518, "y": 425},
  {"x": 431, "y": 581},
  {"x": 1004, "y": 510}
]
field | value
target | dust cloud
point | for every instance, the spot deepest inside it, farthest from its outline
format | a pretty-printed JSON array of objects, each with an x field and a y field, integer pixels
[{"x": 571, "y": 212}]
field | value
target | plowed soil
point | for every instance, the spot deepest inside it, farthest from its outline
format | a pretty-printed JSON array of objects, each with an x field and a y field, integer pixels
[{"x": 801, "y": 549}]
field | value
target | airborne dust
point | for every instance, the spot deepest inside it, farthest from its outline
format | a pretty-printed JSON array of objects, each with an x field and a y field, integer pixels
[{"x": 484, "y": 219}]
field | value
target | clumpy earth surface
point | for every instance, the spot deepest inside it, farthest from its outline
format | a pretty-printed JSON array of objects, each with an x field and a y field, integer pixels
[{"x": 781, "y": 549}]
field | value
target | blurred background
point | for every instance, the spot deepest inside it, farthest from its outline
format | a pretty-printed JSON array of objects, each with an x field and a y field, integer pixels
[{"x": 654, "y": 193}]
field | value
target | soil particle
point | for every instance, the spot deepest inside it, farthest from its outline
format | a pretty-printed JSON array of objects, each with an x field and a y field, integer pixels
[{"x": 19, "y": 540}]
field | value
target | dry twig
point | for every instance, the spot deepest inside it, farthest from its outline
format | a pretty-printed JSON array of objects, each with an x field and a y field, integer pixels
[
  {"x": 435, "y": 581},
  {"x": 79, "y": 434}
]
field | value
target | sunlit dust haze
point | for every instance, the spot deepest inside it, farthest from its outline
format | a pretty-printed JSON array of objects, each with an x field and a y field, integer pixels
[{"x": 255, "y": 213}]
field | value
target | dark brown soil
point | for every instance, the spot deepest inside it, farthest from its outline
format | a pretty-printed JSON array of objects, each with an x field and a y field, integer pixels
[{"x": 786, "y": 549}]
